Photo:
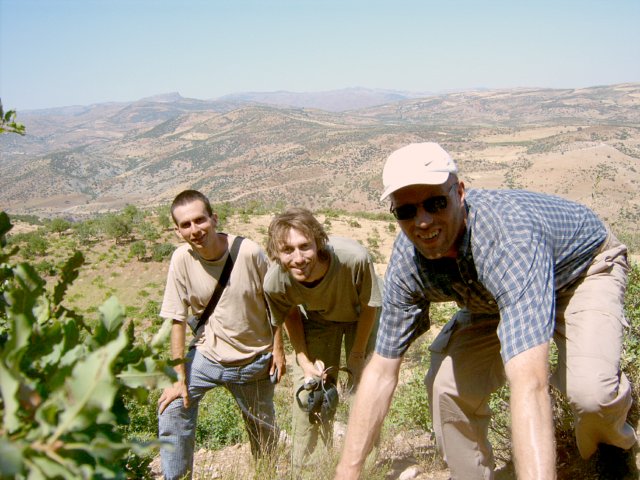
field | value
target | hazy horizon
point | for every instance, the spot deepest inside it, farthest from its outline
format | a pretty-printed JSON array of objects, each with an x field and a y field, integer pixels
[{"x": 56, "y": 53}]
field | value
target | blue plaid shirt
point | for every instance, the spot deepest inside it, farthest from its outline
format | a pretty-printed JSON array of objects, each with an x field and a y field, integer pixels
[{"x": 518, "y": 249}]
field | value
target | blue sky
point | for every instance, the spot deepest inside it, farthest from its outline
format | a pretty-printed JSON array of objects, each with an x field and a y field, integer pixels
[{"x": 78, "y": 52}]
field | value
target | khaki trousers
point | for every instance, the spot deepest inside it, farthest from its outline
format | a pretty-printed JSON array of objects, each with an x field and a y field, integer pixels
[{"x": 466, "y": 368}]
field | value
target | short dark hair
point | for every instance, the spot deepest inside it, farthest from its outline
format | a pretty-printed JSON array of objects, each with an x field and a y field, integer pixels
[
  {"x": 302, "y": 220},
  {"x": 188, "y": 196}
]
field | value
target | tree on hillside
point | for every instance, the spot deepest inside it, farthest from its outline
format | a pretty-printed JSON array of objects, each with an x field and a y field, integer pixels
[
  {"x": 149, "y": 231},
  {"x": 133, "y": 213},
  {"x": 86, "y": 230},
  {"x": 164, "y": 217},
  {"x": 58, "y": 225},
  {"x": 117, "y": 227},
  {"x": 138, "y": 249}
]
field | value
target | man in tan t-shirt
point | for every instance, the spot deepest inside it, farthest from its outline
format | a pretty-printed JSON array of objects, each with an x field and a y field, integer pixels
[{"x": 237, "y": 349}]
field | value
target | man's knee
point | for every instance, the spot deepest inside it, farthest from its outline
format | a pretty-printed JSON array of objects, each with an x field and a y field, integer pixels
[
  {"x": 177, "y": 420},
  {"x": 591, "y": 394}
]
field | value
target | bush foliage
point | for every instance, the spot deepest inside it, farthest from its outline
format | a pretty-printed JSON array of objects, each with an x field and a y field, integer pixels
[{"x": 63, "y": 382}]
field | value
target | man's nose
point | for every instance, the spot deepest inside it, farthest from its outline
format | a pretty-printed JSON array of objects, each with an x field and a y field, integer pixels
[
  {"x": 423, "y": 217},
  {"x": 296, "y": 256}
]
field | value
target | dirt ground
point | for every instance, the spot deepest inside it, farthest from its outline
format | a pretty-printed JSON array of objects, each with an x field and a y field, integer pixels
[{"x": 408, "y": 456}]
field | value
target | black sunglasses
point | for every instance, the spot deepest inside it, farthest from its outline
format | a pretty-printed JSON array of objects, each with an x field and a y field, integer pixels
[{"x": 431, "y": 205}]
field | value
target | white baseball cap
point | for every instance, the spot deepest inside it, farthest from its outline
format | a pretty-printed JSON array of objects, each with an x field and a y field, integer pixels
[{"x": 416, "y": 164}]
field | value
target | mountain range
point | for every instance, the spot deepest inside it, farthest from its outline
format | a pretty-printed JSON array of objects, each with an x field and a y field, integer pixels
[{"x": 322, "y": 150}]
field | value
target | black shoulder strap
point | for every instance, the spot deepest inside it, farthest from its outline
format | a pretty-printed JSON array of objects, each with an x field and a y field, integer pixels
[{"x": 222, "y": 281}]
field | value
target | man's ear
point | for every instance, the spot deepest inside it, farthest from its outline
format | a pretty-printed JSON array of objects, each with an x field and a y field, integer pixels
[
  {"x": 461, "y": 191},
  {"x": 177, "y": 232},
  {"x": 214, "y": 219}
]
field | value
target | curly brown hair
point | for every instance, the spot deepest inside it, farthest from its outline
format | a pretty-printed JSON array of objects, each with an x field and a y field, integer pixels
[{"x": 302, "y": 220}]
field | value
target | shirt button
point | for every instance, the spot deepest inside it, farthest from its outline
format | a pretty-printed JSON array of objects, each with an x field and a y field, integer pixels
[
  {"x": 469, "y": 282},
  {"x": 491, "y": 302}
]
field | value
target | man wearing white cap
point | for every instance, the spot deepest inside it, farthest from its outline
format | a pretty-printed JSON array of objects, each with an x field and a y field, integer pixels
[{"x": 524, "y": 268}]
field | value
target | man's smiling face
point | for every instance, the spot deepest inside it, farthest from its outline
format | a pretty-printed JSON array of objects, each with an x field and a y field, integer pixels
[
  {"x": 299, "y": 256},
  {"x": 197, "y": 227},
  {"x": 435, "y": 234}
]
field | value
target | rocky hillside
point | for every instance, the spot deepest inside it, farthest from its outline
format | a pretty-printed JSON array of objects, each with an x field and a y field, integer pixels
[{"x": 583, "y": 144}]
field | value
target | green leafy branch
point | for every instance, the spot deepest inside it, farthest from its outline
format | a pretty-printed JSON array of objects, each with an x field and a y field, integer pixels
[
  {"x": 8, "y": 122},
  {"x": 63, "y": 384}
]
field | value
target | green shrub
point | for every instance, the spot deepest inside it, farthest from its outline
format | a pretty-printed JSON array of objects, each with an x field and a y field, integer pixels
[
  {"x": 161, "y": 251},
  {"x": 149, "y": 231},
  {"x": 330, "y": 212},
  {"x": 98, "y": 281},
  {"x": 219, "y": 420},
  {"x": 63, "y": 381},
  {"x": 631, "y": 354},
  {"x": 410, "y": 406},
  {"x": 500, "y": 426},
  {"x": 30, "y": 219},
  {"x": 165, "y": 221},
  {"x": 32, "y": 244},
  {"x": 86, "y": 230},
  {"x": 138, "y": 249},
  {"x": 58, "y": 225},
  {"x": 151, "y": 309},
  {"x": 117, "y": 227},
  {"x": 143, "y": 417},
  {"x": 45, "y": 267}
]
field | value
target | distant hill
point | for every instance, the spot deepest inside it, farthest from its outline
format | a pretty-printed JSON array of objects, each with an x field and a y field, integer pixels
[
  {"x": 332, "y": 101},
  {"x": 583, "y": 144}
]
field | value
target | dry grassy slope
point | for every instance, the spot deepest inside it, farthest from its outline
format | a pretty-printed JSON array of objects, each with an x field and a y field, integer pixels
[{"x": 594, "y": 172}]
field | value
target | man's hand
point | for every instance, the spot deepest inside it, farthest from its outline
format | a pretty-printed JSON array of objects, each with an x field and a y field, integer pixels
[
  {"x": 169, "y": 394},
  {"x": 178, "y": 389},
  {"x": 309, "y": 368}
]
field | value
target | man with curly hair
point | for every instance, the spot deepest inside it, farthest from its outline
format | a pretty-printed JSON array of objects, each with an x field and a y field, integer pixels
[{"x": 324, "y": 289}]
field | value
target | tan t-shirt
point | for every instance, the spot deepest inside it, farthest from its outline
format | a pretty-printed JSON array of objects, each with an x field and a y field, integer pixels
[{"x": 239, "y": 328}]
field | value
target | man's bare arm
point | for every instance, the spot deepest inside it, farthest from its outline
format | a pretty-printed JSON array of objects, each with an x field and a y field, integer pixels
[
  {"x": 279, "y": 361},
  {"x": 295, "y": 331},
  {"x": 531, "y": 416},
  {"x": 371, "y": 405},
  {"x": 356, "y": 359},
  {"x": 179, "y": 388}
]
